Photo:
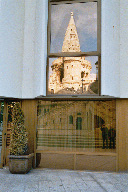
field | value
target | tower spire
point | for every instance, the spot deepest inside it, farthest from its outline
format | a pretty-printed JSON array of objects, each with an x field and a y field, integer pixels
[{"x": 71, "y": 40}]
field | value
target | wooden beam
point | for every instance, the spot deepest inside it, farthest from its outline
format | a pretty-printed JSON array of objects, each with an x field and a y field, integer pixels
[
  {"x": 4, "y": 134},
  {"x": 30, "y": 112},
  {"x": 74, "y": 54},
  {"x": 122, "y": 134}
]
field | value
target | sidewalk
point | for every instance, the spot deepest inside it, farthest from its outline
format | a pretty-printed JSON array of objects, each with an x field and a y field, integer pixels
[{"x": 48, "y": 180}]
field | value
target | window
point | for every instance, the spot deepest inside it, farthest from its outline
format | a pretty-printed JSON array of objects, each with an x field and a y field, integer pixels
[
  {"x": 44, "y": 111},
  {"x": 74, "y": 48},
  {"x": 77, "y": 126},
  {"x": 70, "y": 119},
  {"x": 79, "y": 123}
]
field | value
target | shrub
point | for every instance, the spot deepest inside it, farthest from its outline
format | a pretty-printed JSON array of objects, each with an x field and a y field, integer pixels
[{"x": 19, "y": 136}]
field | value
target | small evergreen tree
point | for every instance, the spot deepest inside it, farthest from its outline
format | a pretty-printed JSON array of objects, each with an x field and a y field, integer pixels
[{"x": 19, "y": 137}]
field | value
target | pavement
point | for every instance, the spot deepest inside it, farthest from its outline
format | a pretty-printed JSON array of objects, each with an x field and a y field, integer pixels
[{"x": 49, "y": 180}]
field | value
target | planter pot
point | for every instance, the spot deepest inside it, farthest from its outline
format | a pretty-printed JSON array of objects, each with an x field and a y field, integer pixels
[{"x": 20, "y": 164}]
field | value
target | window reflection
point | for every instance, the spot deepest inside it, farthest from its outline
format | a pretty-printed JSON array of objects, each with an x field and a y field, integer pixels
[
  {"x": 73, "y": 75},
  {"x": 81, "y": 125}
]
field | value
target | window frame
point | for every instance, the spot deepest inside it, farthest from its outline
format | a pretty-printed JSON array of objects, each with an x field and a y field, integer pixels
[{"x": 74, "y": 54}]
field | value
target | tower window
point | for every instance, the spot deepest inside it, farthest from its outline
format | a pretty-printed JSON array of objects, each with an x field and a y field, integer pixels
[
  {"x": 52, "y": 91},
  {"x": 82, "y": 74}
]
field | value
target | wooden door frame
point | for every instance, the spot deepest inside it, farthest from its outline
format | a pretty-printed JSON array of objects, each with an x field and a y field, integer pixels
[
  {"x": 4, "y": 135},
  {"x": 1, "y": 148}
]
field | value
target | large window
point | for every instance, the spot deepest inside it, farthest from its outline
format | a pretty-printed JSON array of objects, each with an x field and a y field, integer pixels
[
  {"x": 76, "y": 126},
  {"x": 73, "y": 48}
]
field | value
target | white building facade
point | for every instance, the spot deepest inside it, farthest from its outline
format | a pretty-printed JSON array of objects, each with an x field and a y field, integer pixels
[{"x": 23, "y": 48}]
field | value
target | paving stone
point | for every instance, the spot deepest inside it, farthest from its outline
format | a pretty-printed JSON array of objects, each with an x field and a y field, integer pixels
[
  {"x": 50, "y": 186},
  {"x": 46, "y": 180}
]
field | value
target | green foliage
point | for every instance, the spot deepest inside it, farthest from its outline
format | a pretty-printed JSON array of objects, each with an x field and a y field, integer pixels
[{"x": 19, "y": 137}]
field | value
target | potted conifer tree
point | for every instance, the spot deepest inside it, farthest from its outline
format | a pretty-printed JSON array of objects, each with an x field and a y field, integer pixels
[{"x": 19, "y": 159}]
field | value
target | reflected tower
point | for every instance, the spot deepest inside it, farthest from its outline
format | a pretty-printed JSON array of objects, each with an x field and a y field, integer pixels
[{"x": 70, "y": 73}]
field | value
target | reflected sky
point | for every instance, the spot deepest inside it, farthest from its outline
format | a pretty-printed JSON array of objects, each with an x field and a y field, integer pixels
[{"x": 85, "y": 16}]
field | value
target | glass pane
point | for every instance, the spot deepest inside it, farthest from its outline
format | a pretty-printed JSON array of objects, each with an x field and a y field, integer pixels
[
  {"x": 74, "y": 27},
  {"x": 73, "y": 76},
  {"x": 76, "y": 126}
]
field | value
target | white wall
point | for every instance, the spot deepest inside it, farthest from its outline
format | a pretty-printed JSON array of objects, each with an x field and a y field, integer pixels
[
  {"x": 11, "y": 47},
  {"x": 23, "y": 48},
  {"x": 29, "y": 49},
  {"x": 40, "y": 48},
  {"x": 35, "y": 48},
  {"x": 124, "y": 48},
  {"x": 110, "y": 48},
  {"x": 114, "y": 48}
]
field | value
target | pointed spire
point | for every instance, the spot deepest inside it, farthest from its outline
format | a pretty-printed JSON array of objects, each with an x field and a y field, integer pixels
[{"x": 71, "y": 40}]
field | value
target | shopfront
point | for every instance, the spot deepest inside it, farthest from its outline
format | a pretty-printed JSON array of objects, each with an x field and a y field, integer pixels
[{"x": 72, "y": 134}]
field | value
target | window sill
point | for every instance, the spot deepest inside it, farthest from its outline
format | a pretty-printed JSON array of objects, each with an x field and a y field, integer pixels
[{"x": 77, "y": 97}]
